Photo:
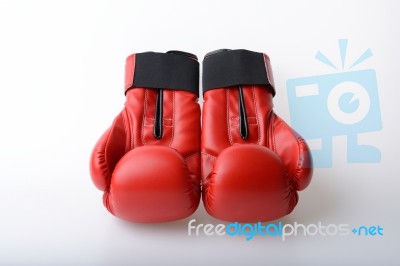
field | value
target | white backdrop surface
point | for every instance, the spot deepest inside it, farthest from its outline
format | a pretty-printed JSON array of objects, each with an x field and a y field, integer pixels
[{"x": 61, "y": 84}]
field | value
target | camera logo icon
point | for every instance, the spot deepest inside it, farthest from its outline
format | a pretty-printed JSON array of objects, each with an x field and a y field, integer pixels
[{"x": 344, "y": 103}]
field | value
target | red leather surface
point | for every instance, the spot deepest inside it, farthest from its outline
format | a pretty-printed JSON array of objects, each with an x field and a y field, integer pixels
[
  {"x": 255, "y": 179},
  {"x": 268, "y": 68},
  {"x": 152, "y": 183},
  {"x": 145, "y": 179},
  {"x": 129, "y": 71}
]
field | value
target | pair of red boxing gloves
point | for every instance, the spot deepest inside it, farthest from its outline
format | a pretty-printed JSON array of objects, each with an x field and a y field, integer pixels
[{"x": 158, "y": 158}]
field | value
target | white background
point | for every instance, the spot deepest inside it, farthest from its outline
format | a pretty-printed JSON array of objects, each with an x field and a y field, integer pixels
[{"x": 61, "y": 84}]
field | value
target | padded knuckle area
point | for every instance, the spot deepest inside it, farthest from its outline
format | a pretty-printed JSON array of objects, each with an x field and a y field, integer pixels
[
  {"x": 248, "y": 183},
  {"x": 249, "y": 165},
  {"x": 152, "y": 184}
]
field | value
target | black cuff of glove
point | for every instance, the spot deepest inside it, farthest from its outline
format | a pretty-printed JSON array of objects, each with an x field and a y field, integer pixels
[
  {"x": 175, "y": 70},
  {"x": 226, "y": 68}
]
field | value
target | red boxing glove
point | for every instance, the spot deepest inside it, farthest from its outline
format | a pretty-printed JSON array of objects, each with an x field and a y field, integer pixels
[
  {"x": 253, "y": 163},
  {"x": 148, "y": 162}
]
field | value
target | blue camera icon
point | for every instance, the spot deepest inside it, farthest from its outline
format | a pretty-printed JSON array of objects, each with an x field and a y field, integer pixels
[{"x": 344, "y": 103}]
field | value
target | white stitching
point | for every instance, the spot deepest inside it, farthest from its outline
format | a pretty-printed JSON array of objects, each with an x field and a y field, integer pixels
[
  {"x": 173, "y": 118},
  {"x": 227, "y": 117},
  {"x": 127, "y": 124},
  {"x": 255, "y": 109},
  {"x": 237, "y": 118},
  {"x": 208, "y": 155},
  {"x": 273, "y": 131},
  {"x": 191, "y": 156},
  {"x": 144, "y": 116}
]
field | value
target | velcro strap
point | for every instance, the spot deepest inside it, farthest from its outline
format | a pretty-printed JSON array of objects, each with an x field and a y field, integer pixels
[
  {"x": 226, "y": 68},
  {"x": 173, "y": 70}
]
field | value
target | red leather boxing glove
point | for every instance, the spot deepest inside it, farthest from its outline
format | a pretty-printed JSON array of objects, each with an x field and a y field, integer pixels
[
  {"x": 253, "y": 163},
  {"x": 148, "y": 162}
]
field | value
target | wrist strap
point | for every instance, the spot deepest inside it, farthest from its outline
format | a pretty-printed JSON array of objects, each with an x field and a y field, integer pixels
[
  {"x": 226, "y": 68},
  {"x": 173, "y": 70}
]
